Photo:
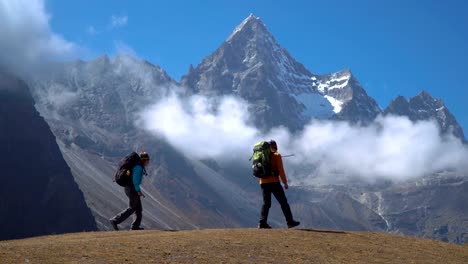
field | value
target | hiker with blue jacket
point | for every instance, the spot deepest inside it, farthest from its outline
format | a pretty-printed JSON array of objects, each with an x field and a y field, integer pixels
[
  {"x": 271, "y": 185},
  {"x": 132, "y": 190}
]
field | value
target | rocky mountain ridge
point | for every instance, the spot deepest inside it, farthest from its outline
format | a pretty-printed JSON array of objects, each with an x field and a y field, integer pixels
[{"x": 425, "y": 107}]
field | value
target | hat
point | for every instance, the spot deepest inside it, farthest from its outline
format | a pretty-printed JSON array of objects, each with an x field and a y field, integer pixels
[
  {"x": 144, "y": 156},
  {"x": 273, "y": 143}
]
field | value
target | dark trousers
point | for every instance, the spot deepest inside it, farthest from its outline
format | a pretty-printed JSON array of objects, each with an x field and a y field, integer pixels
[
  {"x": 134, "y": 206},
  {"x": 278, "y": 192}
]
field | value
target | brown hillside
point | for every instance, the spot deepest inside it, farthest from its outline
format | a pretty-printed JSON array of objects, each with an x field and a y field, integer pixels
[{"x": 230, "y": 246}]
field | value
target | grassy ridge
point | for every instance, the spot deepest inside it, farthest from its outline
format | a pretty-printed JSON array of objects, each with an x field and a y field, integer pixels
[{"x": 230, "y": 246}]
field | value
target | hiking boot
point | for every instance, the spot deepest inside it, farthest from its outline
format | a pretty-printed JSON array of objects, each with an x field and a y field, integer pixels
[
  {"x": 293, "y": 223},
  {"x": 114, "y": 225},
  {"x": 137, "y": 228},
  {"x": 264, "y": 226}
]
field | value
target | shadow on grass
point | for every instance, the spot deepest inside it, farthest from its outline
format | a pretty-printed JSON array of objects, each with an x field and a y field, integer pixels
[{"x": 321, "y": 230}]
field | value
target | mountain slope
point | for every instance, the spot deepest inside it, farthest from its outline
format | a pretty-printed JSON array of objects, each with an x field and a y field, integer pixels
[
  {"x": 38, "y": 193},
  {"x": 435, "y": 209},
  {"x": 231, "y": 246},
  {"x": 92, "y": 107}
]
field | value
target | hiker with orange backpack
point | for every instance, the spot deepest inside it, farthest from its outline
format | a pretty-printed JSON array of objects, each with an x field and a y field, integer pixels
[
  {"x": 129, "y": 175},
  {"x": 268, "y": 167}
]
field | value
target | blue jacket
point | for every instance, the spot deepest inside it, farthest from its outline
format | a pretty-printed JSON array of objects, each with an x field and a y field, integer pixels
[{"x": 137, "y": 176}]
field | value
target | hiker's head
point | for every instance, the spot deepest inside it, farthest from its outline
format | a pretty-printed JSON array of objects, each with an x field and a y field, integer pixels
[
  {"x": 144, "y": 157},
  {"x": 273, "y": 145}
]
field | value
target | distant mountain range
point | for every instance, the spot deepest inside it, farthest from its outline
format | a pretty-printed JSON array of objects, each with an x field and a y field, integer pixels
[
  {"x": 91, "y": 108},
  {"x": 281, "y": 91}
]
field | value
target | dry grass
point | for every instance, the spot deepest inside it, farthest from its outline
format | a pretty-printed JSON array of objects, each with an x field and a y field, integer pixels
[{"x": 230, "y": 246}]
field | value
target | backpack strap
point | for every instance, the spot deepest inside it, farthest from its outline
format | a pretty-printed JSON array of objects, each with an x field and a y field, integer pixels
[{"x": 274, "y": 171}]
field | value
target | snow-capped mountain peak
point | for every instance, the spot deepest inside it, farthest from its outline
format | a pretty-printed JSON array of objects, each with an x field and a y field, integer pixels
[
  {"x": 348, "y": 98},
  {"x": 253, "y": 65},
  {"x": 337, "y": 80},
  {"x": 250, "y": 23}
]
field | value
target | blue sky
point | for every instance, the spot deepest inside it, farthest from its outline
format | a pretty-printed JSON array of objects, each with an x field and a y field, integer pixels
[{"x": 393, "y": 47}]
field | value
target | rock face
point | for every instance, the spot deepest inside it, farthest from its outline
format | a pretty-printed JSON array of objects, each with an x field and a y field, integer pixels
[
  {"x": 424, "y": 107},
  {"x": 38, "y": 193},
  {"x": 434, "y": 207}
]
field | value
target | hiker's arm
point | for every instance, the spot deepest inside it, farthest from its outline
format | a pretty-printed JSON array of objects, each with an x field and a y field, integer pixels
[
  {"x": 281, "y": 172},
  {"x": 137, "y": 176}
]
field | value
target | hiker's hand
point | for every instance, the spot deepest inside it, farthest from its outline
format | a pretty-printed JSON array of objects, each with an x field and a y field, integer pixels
[
  {"x": 286, "y": 186},
  {"x": 141, "y": 194}
]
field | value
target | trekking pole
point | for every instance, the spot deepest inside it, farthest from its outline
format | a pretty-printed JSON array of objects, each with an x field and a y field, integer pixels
[{"x": 285, "y": 156}]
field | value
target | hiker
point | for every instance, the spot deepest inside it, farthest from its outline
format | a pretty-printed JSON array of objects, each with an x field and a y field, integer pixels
[
  {"x": 271, "y": 184},
  {"x": 133, "y": 192}
]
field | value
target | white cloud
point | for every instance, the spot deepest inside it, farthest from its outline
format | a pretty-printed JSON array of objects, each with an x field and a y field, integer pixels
[
  {"x": 392, "y": 148},
  {"x": 119, "y": 21},
  {"x": 26, "y": 37},
  {"x": 204, "y": 128}
]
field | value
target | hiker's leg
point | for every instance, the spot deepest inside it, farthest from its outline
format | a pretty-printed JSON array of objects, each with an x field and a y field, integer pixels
[
  {"x": 138, "y": 211},
  {"x": 122, "y": 216},
  {"x": 279, "y": 194},
  {"x": 266, "y": 192}
]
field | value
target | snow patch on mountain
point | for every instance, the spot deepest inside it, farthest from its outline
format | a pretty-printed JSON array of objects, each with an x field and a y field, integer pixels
[
  {"x": 337, "y": 104},
  {"x": 333, "y": 81},
  {"x": 315, "y": 105}
]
